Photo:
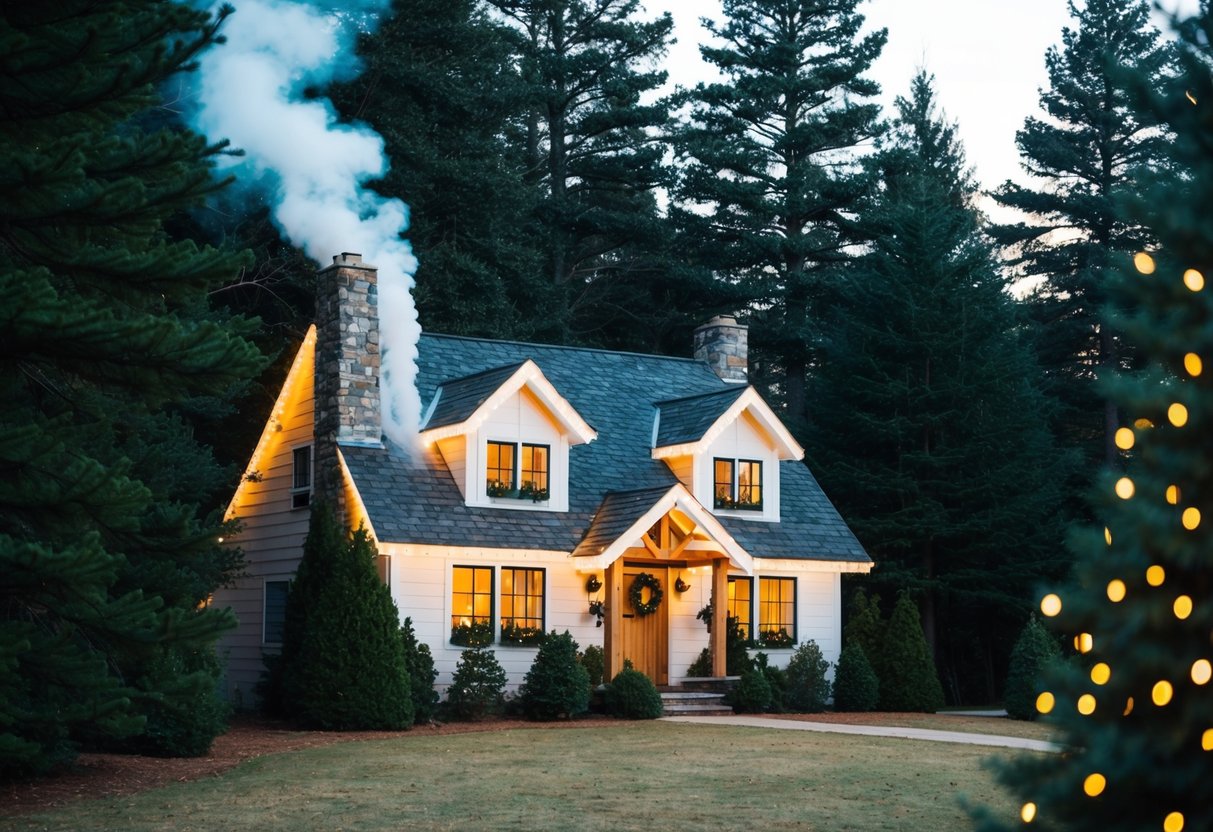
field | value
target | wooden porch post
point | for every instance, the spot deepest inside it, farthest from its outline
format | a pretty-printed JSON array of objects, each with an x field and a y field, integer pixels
[
  {"x": 613, "y": 639},
  {"x": 720, "y": 612}
]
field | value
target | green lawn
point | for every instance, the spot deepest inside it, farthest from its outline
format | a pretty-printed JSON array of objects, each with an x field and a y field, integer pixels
[{"x": 643, "y": 776}]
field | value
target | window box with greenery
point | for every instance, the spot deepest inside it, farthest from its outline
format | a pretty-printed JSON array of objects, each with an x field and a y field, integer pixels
[
  {"x": 737, "y": 484},
  {"x": 474, "y": 634},
  {"x": 521, "y": 636},
  {"x": 776, "y": 638}
]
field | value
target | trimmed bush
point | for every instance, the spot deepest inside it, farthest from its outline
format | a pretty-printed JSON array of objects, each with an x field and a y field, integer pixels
[
  {"x": 701, "y": 668},
  {"x": 350, "y": 674},
  {"x": 866, "y": 628},
  {"x": 420, "y": 665},
  {"x": 807, "y": 688},
  {"x": 752, "y": 694},
  {"x": 856, "y": 687},
  {"x": 1033, "y": 651},
  {"x": 478, "y": 685},
  {"x": 777, "y": 679},
  {"x": 632, "y": 695},
  {"x": 594, "y": 663},
  {"x": 556, "y": 685},
  {"x": 908, "y": 681}
]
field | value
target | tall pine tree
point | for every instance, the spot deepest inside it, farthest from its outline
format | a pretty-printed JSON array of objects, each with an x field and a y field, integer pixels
[
  {"x": 925, "y": 386},
  {"x": 109, "y": 352},
  {"x": 1135, "y": 711},
  {"x": 770, "y": 183},
  {"x": 1087, "y": 152},
  {"x": 592, "y": 145}
]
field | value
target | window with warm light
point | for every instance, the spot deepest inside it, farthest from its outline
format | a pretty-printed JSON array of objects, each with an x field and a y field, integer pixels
[
  {"x": 741, "y": 596},
  {"x": 737, "y": 484},
  {"x": 274, "y": 611},
  {"x": 499, "y": 470},
  {"x": 472, "y": 605},
  {"x": 522, "y": 606},
  {"x": 301, "y": 477},
  {"x": 777, "y": 612},
  {"x": 535, "y": 465}
]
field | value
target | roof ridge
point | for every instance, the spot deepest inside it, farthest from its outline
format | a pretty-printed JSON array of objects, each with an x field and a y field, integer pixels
[
  {"x": 489, "y": 371},
  {"x": 562, "y": 347},
  {"x": 730, "y": 389}
]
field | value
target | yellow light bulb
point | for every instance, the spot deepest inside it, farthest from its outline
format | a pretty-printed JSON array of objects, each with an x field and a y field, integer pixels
[
  {"x": 1028, "y": 812},
  {"x": 1100, "y": 673},
  {"x": 1173, "y": 494},
  {"x": 1194, "y": 280},
  {"x": 1116, "y": 590},
  {"x": 1050, "y": 605},
  {"x": 1191, "y": 98},
  {"x": 1162, "y": 693},
  {"x": 1128, "y": 706},
  {"x": 1193, "y": 364},
  {"x": 1094, "y": 784},
  {"x": 1086, "y": 704},
  {"x": 1107, "y": 535},
  {"x": 1142, "y": 424},
  {"x": 1178, "y": 415},
  {"x": 1191, "y": 518},
  {"x": 1045, "y": 702},
  {"x": 1124, "y": 439},
  {"x": 1143, "y": 262},
  {"x": 1182, "y": 607},
  {"x": 1083, "y": 643},
  {"x": 1174, "y": 822},
  {"x": 1155, "y": 575},
  {"x": 1125, "y": 488},
  {"x": 1202, "y": 671},
  {"x": 1206, "y": 740}
]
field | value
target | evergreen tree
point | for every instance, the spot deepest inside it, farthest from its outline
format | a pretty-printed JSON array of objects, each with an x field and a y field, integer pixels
[
  {"x": 441, "y": 87},
  {"x": 349, "y": 673},
  {"x": 1135, "y": 712},
  {"x": 592, "y": 149},
  {"x": 420, "y": 664},
  {"x": 807, "y": 689},
  {"x": 923, "y": 382},
  {"x": 1087, "y": 154},
  {"x": 1033, "y": 652},
  {"x": 110, "y": 351},
  {"x": 477, "y": 686},
  {"x": 910, "y": 682},
  {"x": 856, "y": 687},
  {"x": 866, "y": 628},
  {"x": 770, "y": 183}
]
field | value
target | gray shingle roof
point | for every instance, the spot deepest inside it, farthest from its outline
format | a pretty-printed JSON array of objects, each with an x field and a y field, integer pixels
[
  {"x": 688, "y": 419},
  {"x": 460, "y": 398},
  {"x": 617, "y": 393},
  {"x": 619, "y": 510}
]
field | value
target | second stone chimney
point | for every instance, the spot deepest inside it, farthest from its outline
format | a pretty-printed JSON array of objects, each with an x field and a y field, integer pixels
[
  {"x": 347, "y": 408},
  {"x": 724, "y": 345}
]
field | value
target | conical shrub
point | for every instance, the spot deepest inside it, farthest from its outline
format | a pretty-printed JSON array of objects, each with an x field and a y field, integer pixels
[{"x": 908, "y": 681}]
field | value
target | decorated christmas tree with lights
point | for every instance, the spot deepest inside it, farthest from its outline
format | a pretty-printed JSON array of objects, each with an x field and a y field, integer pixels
[{"x": 1135, "y": 708}]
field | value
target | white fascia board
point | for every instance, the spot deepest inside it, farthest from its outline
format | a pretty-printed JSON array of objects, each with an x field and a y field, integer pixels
[
  {"x": 786, "y": 446},
  {"x": 798, "y": 565},
  {"x": 475, "y": 553},
  {"x": 677, "y": 497},
  {"x": 532, "y": 378}
]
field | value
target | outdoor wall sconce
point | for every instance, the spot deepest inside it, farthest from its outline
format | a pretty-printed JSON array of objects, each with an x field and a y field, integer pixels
[
  {"x": 680, "y": 585},
  {"x": 592, "y": 584}
]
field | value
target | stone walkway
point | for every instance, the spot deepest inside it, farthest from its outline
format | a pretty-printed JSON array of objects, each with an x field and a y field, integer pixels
[{"x": 871, "y": 731}]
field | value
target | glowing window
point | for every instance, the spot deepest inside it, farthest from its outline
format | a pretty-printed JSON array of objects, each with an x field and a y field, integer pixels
[
  {"x": 737, "y": 484},
  {"x": 536, "y": 462},
  {"x": 777, "y": 611},
  {"x": 472, "y": 605},
  {"x": 741, "y": 596},
  {"x": 499, "y": 473},
  {"x": 521, "y": 605}
]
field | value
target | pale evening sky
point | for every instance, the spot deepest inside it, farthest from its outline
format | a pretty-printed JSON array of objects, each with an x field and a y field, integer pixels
[{"x": 987, "y": 57}]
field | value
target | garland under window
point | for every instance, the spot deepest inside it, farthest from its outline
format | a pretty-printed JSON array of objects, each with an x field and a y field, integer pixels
[{"x": 636, "y": 594}]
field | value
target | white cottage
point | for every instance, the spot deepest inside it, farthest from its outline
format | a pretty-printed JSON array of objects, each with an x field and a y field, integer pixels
[{"x": 556, "y": 488}]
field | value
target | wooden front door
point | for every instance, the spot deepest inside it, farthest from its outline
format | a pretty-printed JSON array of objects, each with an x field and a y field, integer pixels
[{"x": 646, "y": 638}]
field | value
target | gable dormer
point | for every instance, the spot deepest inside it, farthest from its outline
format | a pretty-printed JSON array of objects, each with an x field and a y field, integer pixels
[
  {"x": 505, "y": 435},
  {"x": 725, "y": 447}
]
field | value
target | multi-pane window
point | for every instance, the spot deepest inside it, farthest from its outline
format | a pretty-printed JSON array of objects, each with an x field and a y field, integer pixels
[
  {"x": 521, "y": 605},
  {"x": 535, "y": 465},
  {"x": 740, "y": 603},
  {"x": 499, "y": 471},
  {"x": 737, "y": 484},
  {"x": 472, "y": 605},
  {"x": 777, "y": 611},
  {"x": 301, "y": 477},
  {"x": 275, "y": 611}
]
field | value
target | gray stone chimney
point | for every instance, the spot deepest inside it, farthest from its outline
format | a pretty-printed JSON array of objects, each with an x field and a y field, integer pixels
[
  {"x": 724, "y": 344},
  {"x": 347, "y": 366}
]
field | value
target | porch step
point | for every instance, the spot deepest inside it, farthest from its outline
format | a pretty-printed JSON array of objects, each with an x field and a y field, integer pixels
[{"x": 693, "y": 703}]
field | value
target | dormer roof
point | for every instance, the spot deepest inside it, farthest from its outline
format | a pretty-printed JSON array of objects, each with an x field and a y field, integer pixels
[
  {"x": 462, "y": 404},
  {"x": 689, "y": 425}
]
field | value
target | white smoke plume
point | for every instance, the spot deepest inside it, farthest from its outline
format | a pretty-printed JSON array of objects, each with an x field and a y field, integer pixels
[{"x": 314, "y": 169}]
